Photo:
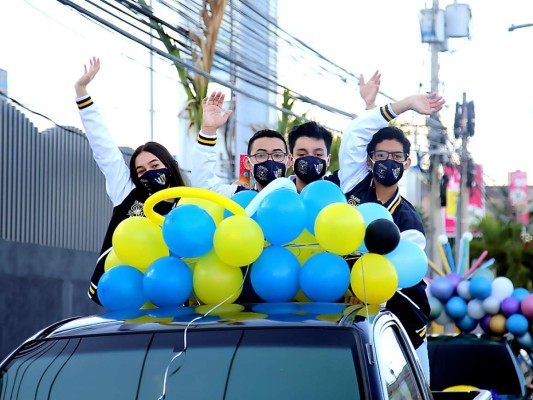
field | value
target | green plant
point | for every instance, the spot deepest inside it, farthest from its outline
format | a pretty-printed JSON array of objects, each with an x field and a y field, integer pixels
[{"x": 195, "y": 85}]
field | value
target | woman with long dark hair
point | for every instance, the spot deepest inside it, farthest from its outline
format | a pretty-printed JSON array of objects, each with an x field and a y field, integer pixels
[{"x": 151, "y": 169}]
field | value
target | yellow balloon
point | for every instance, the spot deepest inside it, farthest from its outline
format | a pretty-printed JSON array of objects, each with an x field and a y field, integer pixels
[
  {"x": 340, "y": 228},
  {"x": 460, "y": 388},
  {"x": 139, "y": 242},
  {"x": 215, "y": 281},
  {"x": 304, "y": 246},
  {"x": 184, "y": 191},
  {"x": 238, "y": 241},
  {"x": 216, "y": 211},
  {"x": 301, "y": 297},
  {"x": 497, "y": 324},
  {"x": 112, "y": 261},
  {"x": 373, "y": 279}
]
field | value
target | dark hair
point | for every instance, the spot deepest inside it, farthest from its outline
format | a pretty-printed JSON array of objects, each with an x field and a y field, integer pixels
[
  {"x": 166, "y": 158},
  {"x": 268, "y": 133},
  {"x": 312, "y": 130},
  {"x": 389, "y": 133}
]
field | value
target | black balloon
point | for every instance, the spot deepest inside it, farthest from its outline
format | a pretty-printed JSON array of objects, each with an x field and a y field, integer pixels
[{"x": 381, "y": 236}]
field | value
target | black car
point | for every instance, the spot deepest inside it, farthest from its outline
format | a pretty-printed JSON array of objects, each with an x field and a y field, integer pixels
[
  {"x": 253, "y": 351},
  {"x": 477, "y": 360}
]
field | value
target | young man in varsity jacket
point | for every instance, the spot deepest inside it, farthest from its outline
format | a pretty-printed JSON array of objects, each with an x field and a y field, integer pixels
[{"x": 373, "y": 157}]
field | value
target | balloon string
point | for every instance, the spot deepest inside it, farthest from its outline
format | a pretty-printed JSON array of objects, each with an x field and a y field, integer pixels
[
  {"x": 164, "y": 392},
  {"x": 366, "y": 301}
]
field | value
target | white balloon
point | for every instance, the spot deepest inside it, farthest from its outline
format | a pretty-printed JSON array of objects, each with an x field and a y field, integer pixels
[
  {"x": 502, "y": 287},
  {"x": 463, "y": 290},
  {"x": 492, "y": 305},
  {"x": 475, "y": 309}
]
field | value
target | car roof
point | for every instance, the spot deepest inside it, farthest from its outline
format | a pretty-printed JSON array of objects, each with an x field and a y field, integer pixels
[{"x": 257, "y": 315}]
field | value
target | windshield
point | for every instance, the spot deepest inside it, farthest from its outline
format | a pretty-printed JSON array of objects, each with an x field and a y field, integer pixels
[{"x": 218, "y": 364}]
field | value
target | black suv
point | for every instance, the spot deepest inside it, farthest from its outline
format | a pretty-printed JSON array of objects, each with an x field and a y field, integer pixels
[{"x": 253, "y": 351}]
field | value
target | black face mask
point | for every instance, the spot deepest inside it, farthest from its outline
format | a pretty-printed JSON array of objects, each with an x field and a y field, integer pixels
[
  {"x": 309, "y": 168},
  {"x": 155, "y": 180},
  {"x": 387, "y": 172},
  {"x": 267, "y": 171}
]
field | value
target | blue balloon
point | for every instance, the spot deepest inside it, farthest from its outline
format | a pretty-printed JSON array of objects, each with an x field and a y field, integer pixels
[
  {"x": 373, "y": 211},
  {"x": 410, "y": 262},
  {"x": 121, "y": 289},
  {"x": 441, "y": 288},
  {"x": 325, "y": 277},
  {"x": 435, "y": 308},
  {"x": 188, "y": 231},
  {"x": 517, "y": 324},
  {"x": 466, "y": 324},
  {"x": 168, "y": 282},
  {"x": 316, "y": 196},
  {"x": 243, "y": 198},
  {"x": 275, "y": 274},
  {"x": 520, "y": 293},
  {"x": 281, "y": 215},
  {"x": 456, "y": 307},
  {"x": 480, "y": 287}
]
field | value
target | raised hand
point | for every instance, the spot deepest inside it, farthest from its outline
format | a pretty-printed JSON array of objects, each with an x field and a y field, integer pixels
[
  {"x": 213, "y": 118},
  {"x": 369, "y": 90},
  {"x": 427, "y": 104},
  {"x": 87, "y": 77}
]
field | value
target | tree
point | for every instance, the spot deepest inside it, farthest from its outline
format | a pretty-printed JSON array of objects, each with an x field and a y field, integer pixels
[
  {"x": 202, "y": 55},
  {"x": 503, "y": 240}
]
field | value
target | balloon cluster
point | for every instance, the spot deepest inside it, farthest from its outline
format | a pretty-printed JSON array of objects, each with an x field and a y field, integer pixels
[
  {"x": 481, "y": 300},
  {"x": 294, "y": 245}
]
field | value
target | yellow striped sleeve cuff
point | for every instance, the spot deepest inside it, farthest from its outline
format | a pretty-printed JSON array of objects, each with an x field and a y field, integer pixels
[
  {"x": 84, "y": 103},
  {"x": 387, "y": 113},
  {"x": 206, "y": 140}
]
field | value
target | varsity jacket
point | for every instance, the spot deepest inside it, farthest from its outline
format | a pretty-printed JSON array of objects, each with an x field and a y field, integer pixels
[
  {"x": 128, "y": 201},
  {"x": 410, "y": 305},
  {"x": 204, "y": 165}
]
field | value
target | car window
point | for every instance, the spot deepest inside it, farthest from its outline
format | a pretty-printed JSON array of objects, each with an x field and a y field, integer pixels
[
  {"x": 486, "y": 365},
  {"x": 395, "y": 368},
  {"x": 230, "y": 364}
]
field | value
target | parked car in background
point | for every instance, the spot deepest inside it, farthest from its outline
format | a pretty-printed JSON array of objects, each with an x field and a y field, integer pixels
[
  {"x": 480, "y": 361},
  {"x": 254, "y": 351}
]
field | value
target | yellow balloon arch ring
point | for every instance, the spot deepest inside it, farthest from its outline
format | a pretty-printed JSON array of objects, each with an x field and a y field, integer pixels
[{"x": 182, "y": 191}]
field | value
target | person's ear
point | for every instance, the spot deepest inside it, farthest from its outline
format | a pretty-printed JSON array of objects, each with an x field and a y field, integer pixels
[
  {"x": 407, "y": 164},
  {"x": 328, "y": 161},
  {"x": 369, "y": 162},
  {"x": 248, "y": 164}
]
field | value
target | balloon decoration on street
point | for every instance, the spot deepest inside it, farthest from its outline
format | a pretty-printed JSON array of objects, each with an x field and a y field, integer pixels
[
  {"x": 473, "y": 298},
  {"x": 310, "y": 247}
]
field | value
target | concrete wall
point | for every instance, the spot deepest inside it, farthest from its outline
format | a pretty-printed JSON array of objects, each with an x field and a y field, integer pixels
[{"x": 40, "y": 285}]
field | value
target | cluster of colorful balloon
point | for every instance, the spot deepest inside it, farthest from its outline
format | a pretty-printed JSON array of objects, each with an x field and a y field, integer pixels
[
  {"x": 295, "y": 244},
  {"x": 493, "y": 304}
]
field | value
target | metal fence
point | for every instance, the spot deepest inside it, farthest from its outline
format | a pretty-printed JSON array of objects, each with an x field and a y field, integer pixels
[{"x": 52, "y": 192}]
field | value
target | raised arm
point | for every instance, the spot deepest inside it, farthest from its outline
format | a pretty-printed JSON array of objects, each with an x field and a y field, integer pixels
[
  {"x": 425, "y": 104},
  {"x": 106, "y": 152},
  {"x": 204, "y": 159}
]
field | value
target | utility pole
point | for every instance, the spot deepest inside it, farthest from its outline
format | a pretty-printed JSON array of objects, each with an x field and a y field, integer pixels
[
  {"x": 462, "y": 206},
  {"x": 434, "y": 136}
]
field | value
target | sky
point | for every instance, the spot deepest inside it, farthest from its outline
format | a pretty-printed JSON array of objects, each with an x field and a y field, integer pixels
[{"x": 44, "y": 45}]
